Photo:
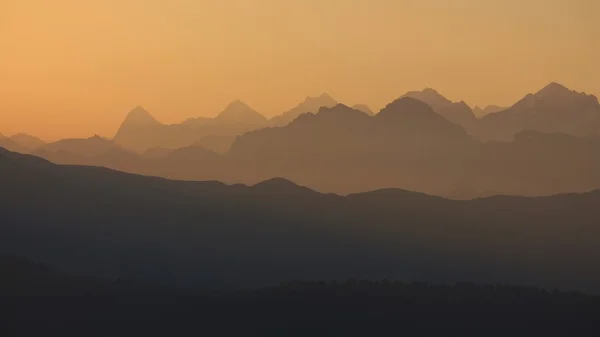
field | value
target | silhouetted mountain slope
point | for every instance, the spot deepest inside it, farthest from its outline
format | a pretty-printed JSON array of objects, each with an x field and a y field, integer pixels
[
  {"x": 310, "y": 104},
  {"x": 430, "y": 96},
  {"x": 109, "y": 224},
  {"x": 552, "y": 109},
  {"x": 458, "y": 113},
  {"x": 340, "y": 132},
  {"x": 490, "y": 109}
]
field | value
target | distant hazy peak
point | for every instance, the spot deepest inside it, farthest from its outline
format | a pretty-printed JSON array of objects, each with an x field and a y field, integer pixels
[
  {"x": 313, "y": 103},
  {"x": 406, "y": 106},
  {"x": 28, "y": 141},
  {"x": 364, "y": 108},
  {"x": 490, "y": 109},
  {"x": 408, "y": 102},
  {"x": 339, "y": 109},
  {"x": 430, "y": 91},
  {"x": 139, "y": 115},
  {"x": 238, "y": 111},
  {"x": 237, "y": 105},
  {"x": 323, "y": 97},
  {"x": 554, "y": 93},
  {"x": 431, "y": 97},
  {"x": 553, "y": 89}
]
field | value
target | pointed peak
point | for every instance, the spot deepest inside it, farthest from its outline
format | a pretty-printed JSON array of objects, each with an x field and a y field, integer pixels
[
  {"x": 325, "y": 96},
  {"x": 553, "y": 89},
  {"x": 139, "y": 115},
  {"x": 239, "y": 112},
  {"x": 463, "y": 104},
  {"x": 237, "y": 104}
]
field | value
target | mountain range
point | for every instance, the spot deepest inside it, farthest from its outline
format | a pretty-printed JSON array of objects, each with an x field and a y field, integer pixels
[
  {"x": 554, "y": 108},
  {"x": 108, "y": 224},
  {"x": 309, "y": 105},
  {"x": 550, "y": 148},
  {"x": 141, "y": 132}
]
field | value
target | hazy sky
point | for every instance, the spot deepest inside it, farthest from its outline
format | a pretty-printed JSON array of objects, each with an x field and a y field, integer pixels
[{"x": 76, "y": 67}]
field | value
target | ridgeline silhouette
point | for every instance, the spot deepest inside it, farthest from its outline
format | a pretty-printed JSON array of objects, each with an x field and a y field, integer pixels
[
  {"x": 549, "y": 142},
  {"x": 96, "y": 222}
]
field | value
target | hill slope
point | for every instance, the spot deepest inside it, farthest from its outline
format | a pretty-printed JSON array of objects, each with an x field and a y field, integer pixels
[{"x": 110, "y": 224}]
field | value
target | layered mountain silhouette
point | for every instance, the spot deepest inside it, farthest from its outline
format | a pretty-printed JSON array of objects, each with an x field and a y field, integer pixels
[
  {"x": 404, "y": 124},
  {"x": 554, "y": 108},
  {"x": 239, "y": 112},
  {"x": 430, "y": 96},
  {"x": 490, "y": 109},
  {"x": 364, "y": 108},
  {"x": 343, "y": 150},
  {"x": 141, "y": 132},
  {"x": 310, "y": 104},
  {"x": 459, "y": 113},
  {"x": 107, "y": 224},
  {"x": 342, "y": 144},
  {"x": 9, "y": 144},
  {"x": 21, "y": 142}
]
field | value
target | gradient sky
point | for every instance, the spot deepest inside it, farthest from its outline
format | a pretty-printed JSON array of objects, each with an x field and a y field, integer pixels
[{"x": 71, "y": 68}]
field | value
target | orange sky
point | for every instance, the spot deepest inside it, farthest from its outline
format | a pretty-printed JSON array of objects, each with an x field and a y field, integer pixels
[{"x": 74, "y": 68}]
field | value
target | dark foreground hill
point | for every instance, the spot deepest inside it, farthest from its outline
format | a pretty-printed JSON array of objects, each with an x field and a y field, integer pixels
[
  {"x": 96, "y": 222},
  {"x": 43, "y": 302}
]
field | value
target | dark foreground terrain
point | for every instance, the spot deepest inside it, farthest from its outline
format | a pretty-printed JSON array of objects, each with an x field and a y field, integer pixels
[
  {"x": 106, "y": 224},
  {"x": 38, "y": 301}
]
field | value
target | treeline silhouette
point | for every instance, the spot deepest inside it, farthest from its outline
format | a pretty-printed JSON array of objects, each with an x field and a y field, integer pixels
[{"x": 42, "y": 301}]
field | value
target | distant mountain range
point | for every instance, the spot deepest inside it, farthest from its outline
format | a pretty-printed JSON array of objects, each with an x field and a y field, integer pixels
[
  {"x": 490, "y": 109},
  {"x": 140, "y": 132},
  {"x": 309, "y": 105},
  {"x": 101, "y": 223},
  {"x": 552, "y": 109},
  {"x": 549, "y": 142}
]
